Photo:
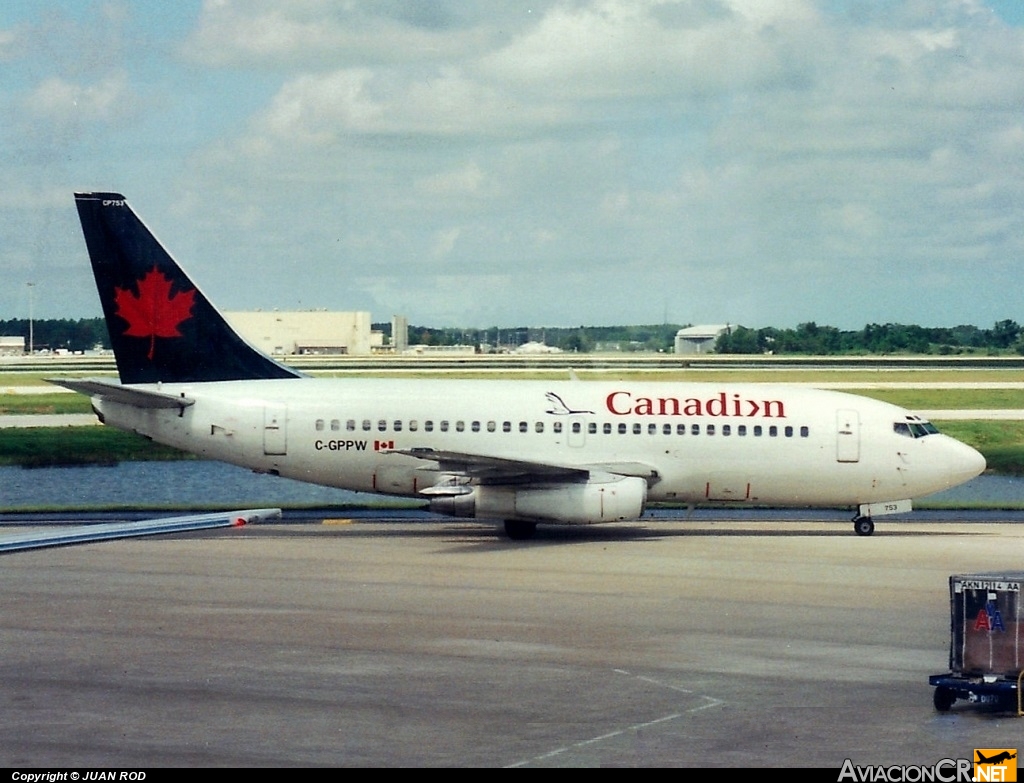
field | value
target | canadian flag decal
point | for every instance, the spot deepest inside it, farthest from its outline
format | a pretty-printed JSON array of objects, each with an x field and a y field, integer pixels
[{"x": 383, "y": 445}]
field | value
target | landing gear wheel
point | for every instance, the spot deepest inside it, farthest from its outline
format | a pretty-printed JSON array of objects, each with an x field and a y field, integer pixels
[
  {"x": 863, "y": 526},
  {"x": 943, "y": 698},
  {"x": 518, "y": 530}
]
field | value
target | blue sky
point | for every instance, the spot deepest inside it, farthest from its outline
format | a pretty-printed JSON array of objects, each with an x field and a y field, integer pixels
[{"x": 764, "y": 162}]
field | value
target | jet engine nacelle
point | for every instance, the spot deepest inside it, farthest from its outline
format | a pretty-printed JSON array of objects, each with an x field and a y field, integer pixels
[{"x": 604, "y": 498}]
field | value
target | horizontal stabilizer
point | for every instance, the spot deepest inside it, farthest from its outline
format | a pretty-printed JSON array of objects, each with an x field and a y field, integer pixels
[
  {"x": 83, "y": 534},
  {"x": 127, "y": 395}
]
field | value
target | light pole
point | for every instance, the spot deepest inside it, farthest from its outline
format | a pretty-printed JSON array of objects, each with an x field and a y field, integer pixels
[{"x": 31, "y": 324}]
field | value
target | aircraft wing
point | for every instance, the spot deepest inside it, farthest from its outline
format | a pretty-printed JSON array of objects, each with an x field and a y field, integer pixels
[
  {"x": 493, "y": 469},
  {"x": 501, "y": 470},
  {"x": 128, "y": 395},
  {"x": 83, "y": 534}
]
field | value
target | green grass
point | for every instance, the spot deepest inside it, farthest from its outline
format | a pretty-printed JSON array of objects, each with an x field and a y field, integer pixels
[
  {"x": 948, "y": 399},
  {"x": 24, "y": 404},
  {"x": 47, "y": 446}
]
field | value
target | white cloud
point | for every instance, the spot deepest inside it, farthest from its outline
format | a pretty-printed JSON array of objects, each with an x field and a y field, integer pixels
[
  {"x": 61, "y": 100},
  {"x": 623, "y": 49},
  {"x": 325, "y": 34},
  {"x": 8, "y": 42},
  {"x": 467, "y": 180},
  {"x": 315, "y": 109},
  {"x": 444, "y": 241}
]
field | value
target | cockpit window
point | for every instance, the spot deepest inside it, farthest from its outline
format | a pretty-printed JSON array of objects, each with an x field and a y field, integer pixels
[{"x": 914, "y": 429}]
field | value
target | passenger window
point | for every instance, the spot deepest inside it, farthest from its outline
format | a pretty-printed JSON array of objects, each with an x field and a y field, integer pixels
[
  {"x": 475, "y": 426},
  {"x": 366, "y": 425},
  {"x": 637, "y": 428},
  {"x": 758, "y": 431},
  {"x": 350, "y": 425},
  {"x": 556, "y": 427},
  {"x": 789, "y": 432},
  {"x": 576, "y": 428},
  {"x": 606, "y": 428},
  {"x": 398, "y": 426},
  {"x": 666, "y": 430},
  {"x": 539, "y": 426},
  {"x": 710, "y": 429},
  {"x": 773, "y": 431},
  {"x": 414, "y": 425},
  {"x": 741, "y": 430},
  {"x": 335, "y": 425},
  {"x": 805, "y": 432},
  {"x": 319, "y": 425},
  {"x": 382, "y": 426},
  {"x": 592, "y": 428},
  {"x": 492, "y": 426},
  {"x": 622, "y": 429},
  {"x": 428, "y": 426},
  {"x": 444, "y": 426},
  {"x": 695, "y": 429},
  {"x": 524, "y": 427},
  {"x": 506, "y": 426},
  {"x": 652, "y": 429},
  {"x": 726, "y": 429},
  {"x": 680, "y": 429},
  {"x": 460, "y": 426}
]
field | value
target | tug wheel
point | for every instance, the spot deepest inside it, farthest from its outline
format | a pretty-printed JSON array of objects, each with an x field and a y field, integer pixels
[{"x": 943, "y": 698}]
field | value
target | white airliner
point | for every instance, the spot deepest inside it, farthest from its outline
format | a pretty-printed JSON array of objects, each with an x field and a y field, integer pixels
[{"x": 518, "y": 452}]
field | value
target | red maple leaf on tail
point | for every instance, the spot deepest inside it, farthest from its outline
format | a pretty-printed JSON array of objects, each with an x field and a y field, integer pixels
[{"x": 154, "y": 312}]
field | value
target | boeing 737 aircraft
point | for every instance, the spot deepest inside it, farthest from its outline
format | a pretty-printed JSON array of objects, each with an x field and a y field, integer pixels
[{"x": 518, "y": 452}]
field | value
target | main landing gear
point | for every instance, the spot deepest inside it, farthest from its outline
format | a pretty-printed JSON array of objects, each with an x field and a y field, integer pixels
[
  {"x": 519, "y": 530},
  {"x": 863, "y": 526}
]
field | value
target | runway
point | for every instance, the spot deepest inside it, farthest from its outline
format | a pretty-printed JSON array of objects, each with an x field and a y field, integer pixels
[{"x": 394, "y": 643}]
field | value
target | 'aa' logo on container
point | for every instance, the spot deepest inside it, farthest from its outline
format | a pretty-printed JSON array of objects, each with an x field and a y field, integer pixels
[{"x": 995, "y": 764}]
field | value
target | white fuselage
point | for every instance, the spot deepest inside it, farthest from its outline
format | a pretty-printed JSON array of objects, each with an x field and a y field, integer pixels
[{"x": 691, "y": 442}]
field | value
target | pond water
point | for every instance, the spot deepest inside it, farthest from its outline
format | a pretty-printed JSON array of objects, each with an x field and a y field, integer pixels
[{"x": 160, "y": 483}]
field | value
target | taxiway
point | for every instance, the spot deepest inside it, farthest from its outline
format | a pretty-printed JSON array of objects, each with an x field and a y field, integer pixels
[{"x": 394, "y": 643}]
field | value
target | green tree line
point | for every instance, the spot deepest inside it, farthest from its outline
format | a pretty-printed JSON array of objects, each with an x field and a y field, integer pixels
[
  {"x": 809, "y": 338},
  {"x": 806, "y": 339},
  {"x": 49, "y": 334}
]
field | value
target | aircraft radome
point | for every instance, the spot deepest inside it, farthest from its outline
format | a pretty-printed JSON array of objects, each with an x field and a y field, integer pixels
[{"x": 518, "y": 452}]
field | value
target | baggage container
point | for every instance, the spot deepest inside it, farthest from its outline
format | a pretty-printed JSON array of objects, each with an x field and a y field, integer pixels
[{"x": 986, "y": 649}]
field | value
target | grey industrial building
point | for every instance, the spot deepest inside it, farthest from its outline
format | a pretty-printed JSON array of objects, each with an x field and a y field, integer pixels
[{"x": 699, "y": 339}]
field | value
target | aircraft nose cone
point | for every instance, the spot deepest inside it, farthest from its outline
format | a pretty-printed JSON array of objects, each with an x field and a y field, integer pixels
[{"x": 966, "y": 463}]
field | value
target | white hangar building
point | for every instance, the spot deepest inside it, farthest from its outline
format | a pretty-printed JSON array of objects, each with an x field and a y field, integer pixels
[
  {"x": 699, "y": 339},
  {"x": 307, "y": 331}
]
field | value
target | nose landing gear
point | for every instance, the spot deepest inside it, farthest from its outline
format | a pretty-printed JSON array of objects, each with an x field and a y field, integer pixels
[{"x": 863, "y": 526}]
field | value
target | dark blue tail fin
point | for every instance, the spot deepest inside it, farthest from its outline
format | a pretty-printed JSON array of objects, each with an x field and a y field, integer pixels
[{"x": 161, "y": 326}]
